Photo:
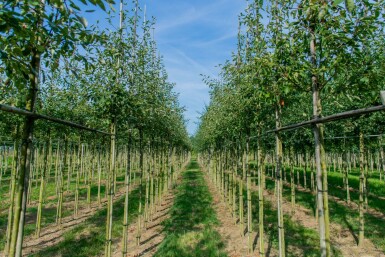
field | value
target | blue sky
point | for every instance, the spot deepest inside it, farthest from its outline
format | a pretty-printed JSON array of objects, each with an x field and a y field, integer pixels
[{"x": 194, "y": 36}]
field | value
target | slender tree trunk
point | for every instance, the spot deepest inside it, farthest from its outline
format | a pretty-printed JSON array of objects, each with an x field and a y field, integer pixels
[
  {"x": 12, "y": 194},
  {"x": 99, "y": 178},
  {"x": 305, "y": 171},
  {"x": 147, "y": 192},
  {"x": 78, "y": 172},
  {"x": 312, "y": 186},
  {"x": 361, "y": 190},
  {"x": 61, "y": 184},
  {"x": 241, "y": 214},
  {"x": 69, "y": 168},
  {"x": 261, "y": 168},
  {"x": 127, "y": 185},
  {"x": 382, "y": 162},
  {"x": 366, "y": 182},
  {"x": 249, "y": 214},
  {"x": 26, "y": 149},
  {"x": 111, "y": 189},
  {"x": 138, "y": 232},
  {"x": 321, "y": 175},
  {"x": 346, "y": 178},
  {"x": 90, "y": 170},
  {"x": 57, "y": 160},
  {"x": 292, "y": 188},
  {"x": 278, "y": 179},
  {"x": 234, "y": 192},
  {"x": 42, "y": 185}
]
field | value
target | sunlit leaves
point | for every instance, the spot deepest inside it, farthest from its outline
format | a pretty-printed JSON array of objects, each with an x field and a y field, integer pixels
[
  {"x": 337, "y": 2},
  {"x": 89, "y": 76},
  {"x": 277, "y": 65},
  {"x": 350, "y": 5}
]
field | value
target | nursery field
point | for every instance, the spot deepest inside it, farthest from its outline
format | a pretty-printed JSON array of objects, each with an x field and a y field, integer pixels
[{"x": 280, "y": 153}]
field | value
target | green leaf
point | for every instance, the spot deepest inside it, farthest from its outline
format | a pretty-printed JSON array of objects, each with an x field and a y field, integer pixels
[
  {"x": 75, "y": 6},
  {"x": 41, "y": 49},
  {"x": 322, "y": 13},
  {"x": 101, "y": 5},
  {"x": 337, "y": 2},
  {"x": 350, "y": 5},
  {"x": 364, "y": 80},
  {"x": 82, "y": 21}
]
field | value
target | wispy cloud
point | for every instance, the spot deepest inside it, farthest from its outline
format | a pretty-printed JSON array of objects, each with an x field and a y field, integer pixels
[
  {"x": 194, "y": 36},
  {"x": 214, "y": 42},
  {"x": 180, "y": 13}
]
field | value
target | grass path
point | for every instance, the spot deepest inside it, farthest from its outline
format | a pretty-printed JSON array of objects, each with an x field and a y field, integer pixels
[{"x": 191, "y": 228}]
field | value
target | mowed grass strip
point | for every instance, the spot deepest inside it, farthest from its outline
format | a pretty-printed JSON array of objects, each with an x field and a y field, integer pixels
[{"x": 190, "y": 231}]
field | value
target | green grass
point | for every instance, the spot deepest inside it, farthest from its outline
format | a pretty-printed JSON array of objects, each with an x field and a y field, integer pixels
[
  {"x": 88, "y": 239},
  {"x": 49, "y": 210},
  {"x": 50, "y": 190},
  {"x": 376, "y": 188},
  {"x": 3, "y": 228},
  {"x": 347, "y": 217},
  {"x": 190, "y": 231},
  {"x": 304, "y": 240}
]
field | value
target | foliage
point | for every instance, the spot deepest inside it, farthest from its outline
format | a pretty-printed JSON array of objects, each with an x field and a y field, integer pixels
[{"x": 273, "y": 65}]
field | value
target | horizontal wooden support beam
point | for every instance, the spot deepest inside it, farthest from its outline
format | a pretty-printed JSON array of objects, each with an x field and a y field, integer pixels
[
  {"x": 330, "y": 118},
  {"x": 15, "y": 110},
  {"x": 347, "y": 137}
]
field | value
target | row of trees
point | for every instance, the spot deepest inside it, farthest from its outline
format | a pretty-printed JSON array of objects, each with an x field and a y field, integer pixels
[
  {"x": 109, "y": 80},
  {"x": 297, "y": 60}
]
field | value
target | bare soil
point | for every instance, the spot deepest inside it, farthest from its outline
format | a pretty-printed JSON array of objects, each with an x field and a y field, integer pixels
[
  {"x": 235, "y": 241},
  {"x": 53, "y": 234},
  {"x": 342, "y": 238},
  {"x": 151, "y": 237}
]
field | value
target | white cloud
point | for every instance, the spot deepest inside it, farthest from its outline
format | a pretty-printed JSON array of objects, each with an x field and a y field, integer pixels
[
  {"x": 180, "y": 13},
  {"x": 194, "y": 37}
]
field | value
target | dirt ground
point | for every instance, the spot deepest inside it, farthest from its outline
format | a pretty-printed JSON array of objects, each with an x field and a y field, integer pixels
[
  {"x": 53, "y": 234},
  {"x": 342, "y": 238},
  {"x": 152, "y": 236},
  {"x": 235, "y": 244},
  {"x": 229, "y": 229}
]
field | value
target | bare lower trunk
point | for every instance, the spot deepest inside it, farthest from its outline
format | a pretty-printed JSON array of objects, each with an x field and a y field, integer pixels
[
  {"x": 361, "y": 192},
  {"x": 108, "y": 250},
  {"x": 321, "y": 175},
  {"x": 12, "y": 196},
  {"x": 42, "y": 185},
  {"x": 261, "y": 168},
  {"x": 127, "y": 185},
  {"x": 278, "y": 179}
]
